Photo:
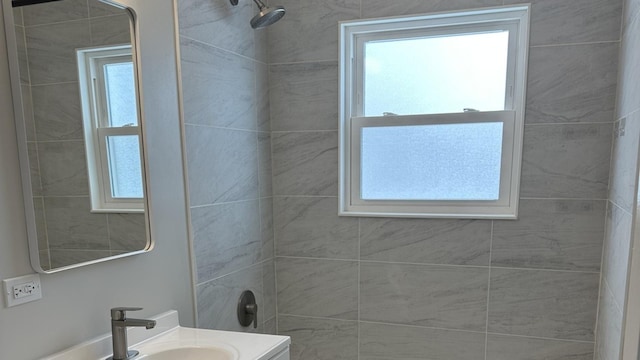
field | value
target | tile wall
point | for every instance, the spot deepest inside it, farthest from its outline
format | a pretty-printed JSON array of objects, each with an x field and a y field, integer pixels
[
  {"x": 48, "y": 35},
  {"x": 228, "y": 148},
  {"x": 622, "y": 194},
  {"x": 376, "y": 288}
]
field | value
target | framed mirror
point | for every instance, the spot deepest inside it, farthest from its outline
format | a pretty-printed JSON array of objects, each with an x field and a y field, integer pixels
[{"x": 74, "y": 72}]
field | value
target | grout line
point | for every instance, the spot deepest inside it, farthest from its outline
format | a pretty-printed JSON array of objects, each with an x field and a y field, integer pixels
[
  {"x": 224, "y": 203},
  {"x": 220, "y": 49},
  {"x": 304, "y": 62},
  {"x": 570, "y": 123},
  {"x": 54, "y": 83},
  {"x": 222, "y": 127},
  {"x": 576, "y": 44},
  {"x": 259, "y": 263},
  {"x": 358, "y": 283},
  {"x": 486, "y": 329},
  {"x": 303, "y": 131}
]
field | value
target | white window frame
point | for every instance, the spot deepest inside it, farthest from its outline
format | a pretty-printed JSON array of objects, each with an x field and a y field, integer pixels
[
  {"x": 97, "y": 131},
  {"x": 354, "y": 34}
]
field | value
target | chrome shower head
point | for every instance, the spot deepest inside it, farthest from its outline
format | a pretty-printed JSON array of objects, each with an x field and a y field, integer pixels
[{"x": 267, "y": 15}]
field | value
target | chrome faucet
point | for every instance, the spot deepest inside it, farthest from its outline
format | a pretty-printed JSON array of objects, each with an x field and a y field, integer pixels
[{"x": 119, "y": 325}]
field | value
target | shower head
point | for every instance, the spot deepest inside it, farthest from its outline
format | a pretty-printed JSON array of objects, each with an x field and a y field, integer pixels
[{"x": 266, "y": 16}]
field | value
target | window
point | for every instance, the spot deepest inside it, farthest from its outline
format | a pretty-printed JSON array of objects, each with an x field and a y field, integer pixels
[
  {"x": 111, "y": 126},
  {"x": 432, "y": 114}
]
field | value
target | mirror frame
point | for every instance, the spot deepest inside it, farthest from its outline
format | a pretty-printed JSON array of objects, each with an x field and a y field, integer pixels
[{"x": 14, "y": 69}]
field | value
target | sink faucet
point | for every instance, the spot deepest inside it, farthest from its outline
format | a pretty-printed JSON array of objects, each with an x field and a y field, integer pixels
[{"x": 119, "y": 324}]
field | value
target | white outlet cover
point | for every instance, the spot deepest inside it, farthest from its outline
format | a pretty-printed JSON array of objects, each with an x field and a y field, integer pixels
[{"x": 9, "y": 284}]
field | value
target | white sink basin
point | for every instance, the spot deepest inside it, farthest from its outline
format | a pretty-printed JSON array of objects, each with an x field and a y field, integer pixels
[{"x": 191, "y": 353}]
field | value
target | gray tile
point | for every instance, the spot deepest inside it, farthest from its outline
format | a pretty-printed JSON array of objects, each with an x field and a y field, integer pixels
[
  {"x": 217, "y": 300},
  {"x": 617, "y": 248},
  {"x": 63, "y": 168},
  {"x": 320, "y": 339},
  {"x": 624, "y": 162},
  {"x": 70, "y": 225},
  {"x": 263, "y": 116},
  {"x": 573, "y": 21},
  {"x": 52, "y": 50},
  {"x": 383, "y": 342},
  {"x": 218, "y": 87},
  {"x": 34, "y": 169},
  {"x": 21, "y": 47},
  {"x": 382, "y": 8},
  {"x": 266, "y": 228},
  {"x": 501, "y": 347},
  {"x": 304, "y": 96},
  {"x": 311, "y": 227},
  {"x": 111, "y": 30},
  {"x": 127, "y": 231},
  {"x": 319, "y": 288},
  {"x": 264, "y": 164},
  {"x": 572, "y": 83},
  {"x": 309, "y": 31},
  {"x": 17, "y": 16},
  {"x": 226, "y": 238},
  {"x": 551, "y": 234},
  {"x": 448, "y": 297},
  {"x": 566, "y": 161},
  {"x": 549, "y": 304},
  {"x": 27, "y": 112},
  {"x": 628, "y": 87},
  {"x": 270, "y": 326},
  {"x": 56, "y": 11},
  {"x": 305, "y": 163},
  {"x": 451, "y": 241},
  {"x": 57, "y": 112},
  {"x": 631, "y": 11},
  {"x": 219, "y": 23},
  {"x": 66, "y": 257},
  {"x": 98, "y": 8},
  {"x": 41, "y": 225},
  {"x": 609, "y": 333},
  {"x": 45, "y": 263},
  {"x": 222, "y": 165},
  {"x": 268, "y": 310}
]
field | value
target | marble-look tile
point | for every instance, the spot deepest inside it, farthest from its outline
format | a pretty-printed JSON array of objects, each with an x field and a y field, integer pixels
[
  {"x": 609, "y": 331},
  {"x": 304, "y": 96},
  {"x": 218, "y": 23},
  {"x": 309, "y": 31},
  {"x": 111, "y": 30},
  {"x": 261, "y": 45},
  {"x": 631, "y": 11},
  {"x": 305, "y": 163},
  {"x": 98, "y": 8},
  {"x": 222, "y": 165},
  {"x": 41, "y": 225},
  {"x": 45, "y": 262},
  {"x": 383, "y": 342},
  {"x": 268, "y": 310},
  {"x": 217, "y": 300},
  {"x": 264, "y": 163},
  {"x": 500, "y": 347},
  {"x": 629, "y": 87},
  {"x": 617, "y": 248},
  {"x": 127, "y": 232},
  {"x": 71, "y": 225},
  {"x": 218, "y": 87},
  {"x": 320, "y": 339},
  {"x": 263, "y": 116},
  {"x": 541, "y": 303},
  {"x": 382, "y": 8},
  {"x": 448, "y": 297},
  {"x": 34, "y": 169},
  {"x": 432, "y": 241},
  {"x": 226, "y": 238},
  {"x": 17, "y": 16},
  {"x": 624, "y": 161},
  {"x": 572, "y": 83},
  {"x": 311, "y": 227},
  {"x": 566, "y": 161},
  {"x": 56, "y": 11},
  {"x": 551, "y": 234},
  {"x": 66, "y": 257},
  {"x": 63, "y": 168},
  {"x": 57, "y": 112},
  {"x": 317, "y": 288},
  {"x": 21, "y": 48},
  {"x": 52, "y": 50},
  {"x": 573, "y": 21},
  {"x": 266, "y": 228},
  {"x": 271, "y": 326},
  {"x": 27, "y": 112}
]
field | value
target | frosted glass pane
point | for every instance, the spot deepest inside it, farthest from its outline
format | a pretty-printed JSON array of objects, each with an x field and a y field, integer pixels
[
  {"x": 124, "y": 166},
  {"x": 431, "y": 162},
  {"x": 121, "y": 94},
  {"x": 436, "y": 75}
]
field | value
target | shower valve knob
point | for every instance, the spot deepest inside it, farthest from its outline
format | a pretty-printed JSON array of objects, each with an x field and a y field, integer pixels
[{"x": 248, "y": 309}]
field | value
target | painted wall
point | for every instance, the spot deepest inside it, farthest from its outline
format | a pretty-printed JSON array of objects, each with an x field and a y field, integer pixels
[
  {"x": 228, "y": 146},
  {"x": 622, "y": 205},
  {"x": 375, "y": 288},
  {"x": 76, "y": 302}
]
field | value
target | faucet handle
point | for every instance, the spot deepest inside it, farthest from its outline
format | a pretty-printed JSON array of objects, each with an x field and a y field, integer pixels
[{"x": 120, "y": 313}]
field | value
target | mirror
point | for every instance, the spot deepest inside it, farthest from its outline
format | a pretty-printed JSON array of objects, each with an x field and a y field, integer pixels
[{"x": 78, "y": 122}]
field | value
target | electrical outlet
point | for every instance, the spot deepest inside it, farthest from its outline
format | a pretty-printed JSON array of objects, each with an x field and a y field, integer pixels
[{"x": 22, "y": 289}]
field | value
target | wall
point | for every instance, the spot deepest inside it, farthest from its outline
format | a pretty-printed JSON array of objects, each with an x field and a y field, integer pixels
[
  {"x": 622, "y": 203},
  {"x": 376, "y": 288},
  {"x": 228, "y": 147},
  {"x": 76, "y": 302},
  {"x": 48, "y": 36}
]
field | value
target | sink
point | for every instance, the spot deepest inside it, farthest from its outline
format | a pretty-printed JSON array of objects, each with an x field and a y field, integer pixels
[{"x": 191, "y": 353}]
